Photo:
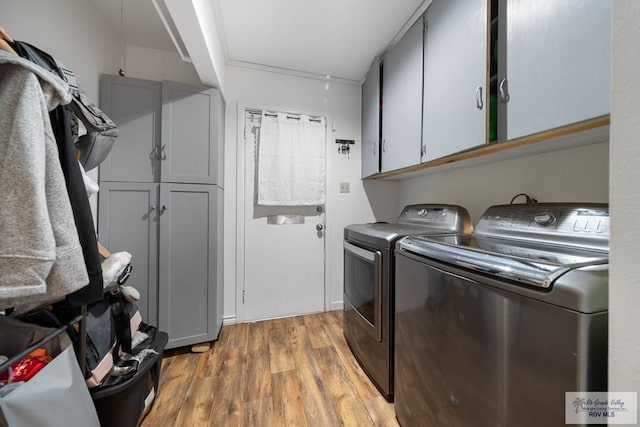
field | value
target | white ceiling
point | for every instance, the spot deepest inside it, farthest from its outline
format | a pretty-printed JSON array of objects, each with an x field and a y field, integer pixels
[{"x": 330, "y": 37}]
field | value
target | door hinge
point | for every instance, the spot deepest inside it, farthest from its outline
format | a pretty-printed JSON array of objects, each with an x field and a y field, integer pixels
[{"x": 243, "y": 291}]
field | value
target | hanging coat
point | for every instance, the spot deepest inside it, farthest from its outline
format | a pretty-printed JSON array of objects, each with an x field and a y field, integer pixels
[
  {"x": 61, "y": 124},
  {"x": 40, "y": 253}
]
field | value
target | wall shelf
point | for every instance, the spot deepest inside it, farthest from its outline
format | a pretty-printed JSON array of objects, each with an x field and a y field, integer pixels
[{"x": 583, "y": 133}]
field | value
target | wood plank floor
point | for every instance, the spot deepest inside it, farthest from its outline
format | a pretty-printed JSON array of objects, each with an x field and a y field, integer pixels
[{"x": 296, "y": 371}]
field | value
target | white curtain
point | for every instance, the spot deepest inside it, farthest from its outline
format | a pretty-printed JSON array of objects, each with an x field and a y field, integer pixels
[{"x": 291, "y": 160}]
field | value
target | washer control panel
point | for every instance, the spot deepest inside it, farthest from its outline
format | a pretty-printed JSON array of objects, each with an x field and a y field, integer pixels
[{"x": 552, "y": 222}]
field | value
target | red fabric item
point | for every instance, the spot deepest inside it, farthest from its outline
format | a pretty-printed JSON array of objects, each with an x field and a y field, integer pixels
[{"x": 30, "y": 365}]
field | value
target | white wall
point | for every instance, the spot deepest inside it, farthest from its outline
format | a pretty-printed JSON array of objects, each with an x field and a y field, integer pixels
[
  {"x": 153, "y": 64},
  {"x": 624, "y": 288},
  {"x": 572, "y": 175},
  {"x": 339, "y": 101},
  {"x": 70, "y": 30}
]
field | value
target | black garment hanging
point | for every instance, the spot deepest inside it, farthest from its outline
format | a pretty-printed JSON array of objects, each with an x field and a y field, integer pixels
[
  {"x": 61, "y": 125},
  {"x": 93, "y": 292}
]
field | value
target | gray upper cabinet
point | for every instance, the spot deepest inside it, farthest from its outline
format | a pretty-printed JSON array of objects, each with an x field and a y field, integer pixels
[
  {"x": 558, "y": 63},
  {"x": 402, "y": 101},
  {"x": 169, "y": 132},
  {"x": 188, "y": 299},
  {"x": 190, "y": 126},
  {"x": 455, "y": 77},
  {"x": 135, "y": 107},
  {"x": 371, "y": 121},
  {"x": 127, "y": 221}
]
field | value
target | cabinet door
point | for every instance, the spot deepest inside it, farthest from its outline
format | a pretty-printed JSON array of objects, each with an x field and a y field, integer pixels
[
  {"x": 134, "y": 105},
  {"x": 127, "y": 221},
  {"x": 402, "y": 102},
  {"x": 455, "y": 76},
  {"x": 558, "y": 63},
  {"x": 188, "y": 269},
  {"x": 371, "y": 121},
  {"x": 190, "y": 135}
]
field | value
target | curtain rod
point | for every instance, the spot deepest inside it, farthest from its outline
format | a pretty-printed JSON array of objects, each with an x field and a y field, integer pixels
[{"x": 292, "y": 116}]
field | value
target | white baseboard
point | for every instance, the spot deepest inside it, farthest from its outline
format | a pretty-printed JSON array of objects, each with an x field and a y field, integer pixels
[
  {"x": 336, "y": 305},
  {"x": 229, "y": 320},
  {"x": 232, "y": 319}
]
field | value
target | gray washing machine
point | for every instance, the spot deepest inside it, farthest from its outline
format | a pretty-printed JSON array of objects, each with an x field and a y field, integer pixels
[{"x": 492, "y": 329}]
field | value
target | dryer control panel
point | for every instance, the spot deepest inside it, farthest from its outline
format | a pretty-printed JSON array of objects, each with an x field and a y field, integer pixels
[{"x": 446, "y": 218}]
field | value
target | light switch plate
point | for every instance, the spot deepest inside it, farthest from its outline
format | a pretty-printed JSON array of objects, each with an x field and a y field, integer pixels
[{"x": 344, "y": 187}]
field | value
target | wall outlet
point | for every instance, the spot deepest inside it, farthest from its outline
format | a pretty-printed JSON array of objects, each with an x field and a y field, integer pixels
[{"x": 344, "y": 187}]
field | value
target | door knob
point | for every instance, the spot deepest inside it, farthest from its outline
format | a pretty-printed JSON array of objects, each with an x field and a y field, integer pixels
[{"x": 319, "y": 227}]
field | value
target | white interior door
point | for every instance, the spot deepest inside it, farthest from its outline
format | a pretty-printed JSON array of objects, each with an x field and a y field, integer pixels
[{"x": 283, "y": 263}]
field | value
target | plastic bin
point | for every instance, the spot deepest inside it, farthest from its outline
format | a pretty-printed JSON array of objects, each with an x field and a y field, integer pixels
[{"x": 126, "y": 404}]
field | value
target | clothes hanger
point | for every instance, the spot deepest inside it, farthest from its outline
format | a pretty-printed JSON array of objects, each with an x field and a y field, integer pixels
[{"x": 4, "y": 38}]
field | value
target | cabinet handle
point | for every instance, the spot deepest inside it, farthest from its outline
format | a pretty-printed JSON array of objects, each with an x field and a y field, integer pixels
[
  {"x": 423, "y": 150},
  {"x": 504, "y": 90},
  {"x": 153, "y": 207},
  {"x": 479, "y": 101},
  {"x": 384, "y": 145},
  {"x": 163, "y": 153},
  {"x": 163, "y": 208},
  {"x": 374, "y": 148}
]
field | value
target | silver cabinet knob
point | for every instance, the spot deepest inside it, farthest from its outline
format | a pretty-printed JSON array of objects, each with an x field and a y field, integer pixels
[
  {"x": 153, "y": 207},
  {"x": 163, "y": 208},
  {"x": 319, "y": 227}
]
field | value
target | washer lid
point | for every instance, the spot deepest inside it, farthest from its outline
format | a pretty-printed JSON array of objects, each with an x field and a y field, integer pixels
[{"x": 525, "y": 262}]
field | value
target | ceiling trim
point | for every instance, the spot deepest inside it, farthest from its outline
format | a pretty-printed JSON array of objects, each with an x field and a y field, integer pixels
[
  {"x": 222, "y": 31},
  {"x": 170, "y": 26},
  {"x": 292, "y": 72},
  {"x": 196, "y": 27}
]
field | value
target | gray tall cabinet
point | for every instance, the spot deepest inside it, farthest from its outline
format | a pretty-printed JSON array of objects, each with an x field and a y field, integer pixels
[{"x": 161, "y": 199}]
